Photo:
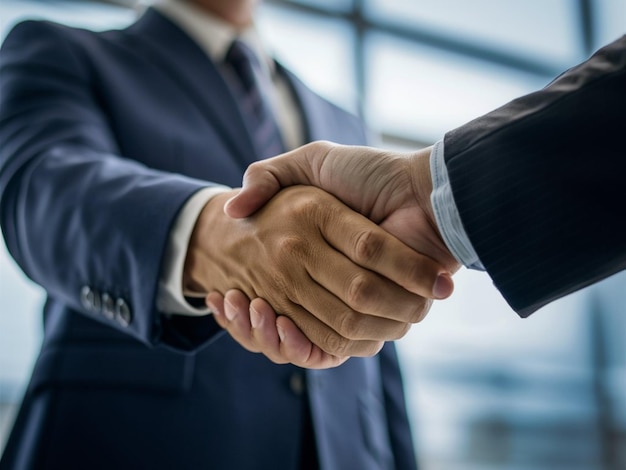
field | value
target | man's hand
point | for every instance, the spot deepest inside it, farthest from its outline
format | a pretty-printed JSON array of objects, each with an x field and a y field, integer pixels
[
  {"x": 319, "y": 263},
  {"x": 392, "y": 189},
  {"x": 256, "y": 327}
]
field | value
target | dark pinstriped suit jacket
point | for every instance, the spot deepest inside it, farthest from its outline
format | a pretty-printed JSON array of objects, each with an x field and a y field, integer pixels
[
  {"x": 541, "y": 183},
  {"x": 104, "y": 136}
]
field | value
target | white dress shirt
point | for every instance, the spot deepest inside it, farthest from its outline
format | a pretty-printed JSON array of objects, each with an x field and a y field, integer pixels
[
  {"x": 447, "y": 214},
  {"x": 215, "y": 36}
]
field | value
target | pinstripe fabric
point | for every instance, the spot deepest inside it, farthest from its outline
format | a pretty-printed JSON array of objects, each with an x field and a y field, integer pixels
[
  {"x": 254, "y": 107},
  {"x": 539, "y": 183}
]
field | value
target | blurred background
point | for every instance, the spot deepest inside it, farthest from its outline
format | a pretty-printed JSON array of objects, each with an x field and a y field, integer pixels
[{"x": 486, "y": 389}]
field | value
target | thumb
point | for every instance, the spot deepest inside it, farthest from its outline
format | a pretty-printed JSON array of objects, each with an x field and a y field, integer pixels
[
  {"x": 259, "y": 185},
  {"x": 263, "y": 179}
]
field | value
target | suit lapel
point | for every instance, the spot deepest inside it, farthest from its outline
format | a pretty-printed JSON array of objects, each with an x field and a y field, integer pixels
[
  {"x": 312, "y": 107},
  {"x": 187, "y": 64},
  {"x": 322, "y": 120}
]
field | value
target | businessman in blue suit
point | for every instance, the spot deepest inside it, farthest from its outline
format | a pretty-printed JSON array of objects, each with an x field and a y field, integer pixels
[
  {"x": 118, "y": 150},
  {"x": 530, "y": 193}
]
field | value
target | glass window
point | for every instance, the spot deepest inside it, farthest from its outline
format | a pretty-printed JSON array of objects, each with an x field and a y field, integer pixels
[
  {"x": 319, "y": 50},
  {"x": 610, "y": 21},
  {"x": 83, "y": 14},
  {"x": 332, "y": 5},
  {"x": 485, "y": 389},
  {"x": 418, "y": 91},
  {"x": 547, "y": 30}
]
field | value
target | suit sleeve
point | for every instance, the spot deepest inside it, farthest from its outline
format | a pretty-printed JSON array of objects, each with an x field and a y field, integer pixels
[
  {"x": 74, "y": 212},
  {"x": 539, "y": 183}
]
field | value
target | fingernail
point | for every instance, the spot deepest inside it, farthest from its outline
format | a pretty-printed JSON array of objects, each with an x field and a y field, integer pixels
[
  {"x": 229, "y": 310},
  {"x": 255, "y": 317},
  {"x": 281, "y": 333},
  {"x": 443, "y": 286}
]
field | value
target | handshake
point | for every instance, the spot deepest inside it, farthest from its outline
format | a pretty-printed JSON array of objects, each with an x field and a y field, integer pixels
[{"x": 325, "y": 253}]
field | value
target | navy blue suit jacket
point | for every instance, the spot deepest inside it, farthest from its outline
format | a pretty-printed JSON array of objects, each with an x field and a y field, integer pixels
[
  {"x": 539, "y": 183},
  {"x": 104, "y": 137}
]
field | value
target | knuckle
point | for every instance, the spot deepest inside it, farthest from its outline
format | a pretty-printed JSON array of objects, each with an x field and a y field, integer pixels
[
  {"x": 351, "y": 326},
  {"x": 360, "y": 291},
  {"x": 419, "y": 310},
  {"x": 290, "y": 244},
  {"x": 369, "y": 348},
  {"x": 336, "y": 345},
  {"x": 415, "y": 272},
  {"x": 376, "y": 347},
  {"x": 423, "y": 310},
  {"x": 402, "y": 330},
  {"x": 319, "y": 146},
  {"x": 303, "y": 206},
  {"x": 368, "y": 246},
  {"x": 283, "y": 305},
  {"x": 254, "y": 168}
]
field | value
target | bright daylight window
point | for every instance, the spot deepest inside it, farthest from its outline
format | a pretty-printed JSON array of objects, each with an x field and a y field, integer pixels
[{"x": 486, "y": 390}]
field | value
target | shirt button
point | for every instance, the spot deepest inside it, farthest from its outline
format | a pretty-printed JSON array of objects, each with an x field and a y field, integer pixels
[{"x": 296, "y": 383}]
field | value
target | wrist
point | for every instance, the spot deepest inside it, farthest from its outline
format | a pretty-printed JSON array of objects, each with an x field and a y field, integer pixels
[
  {"x": 204, "y": 238},
  {"x": 420, "y": 175}
]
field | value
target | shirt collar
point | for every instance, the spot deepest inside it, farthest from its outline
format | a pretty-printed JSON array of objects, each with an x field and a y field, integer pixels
[{"x": 211, "y": 33}]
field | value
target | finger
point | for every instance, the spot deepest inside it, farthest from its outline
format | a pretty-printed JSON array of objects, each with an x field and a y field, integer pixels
[
  {"x": 333, "y": 326},
  {"x": 362, "y": 292},
  {"x": 215, "y": 303},
  {"x": 264, "y": 331},
  {"x": 293, "y": 347},
  {"x": 296, "y": 347},
  {"x": 260, "y": 334},
  {"x": 373, "y": 248},
  {"x": 265, "y": 178},
  {"x": 253, "y": 325},
  {"x": 259, "y": 185},
  {"x": 330, "y": 348},
  {"x": 236, "y": 319},
  {"x": 346, "y": 323}
]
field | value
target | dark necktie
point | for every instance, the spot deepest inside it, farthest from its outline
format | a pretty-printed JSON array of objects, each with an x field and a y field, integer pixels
[
  {"x": 244, "y": 66},
  {"x": 242, "y": 70}
]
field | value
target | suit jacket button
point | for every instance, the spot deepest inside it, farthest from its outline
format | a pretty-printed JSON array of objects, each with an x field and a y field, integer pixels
[
  {"x": 108, "y": 306},
  {"x": 296, "y": 383},
  {"x": 123, "y": 313},
  {"x": 90, "y": 299}
]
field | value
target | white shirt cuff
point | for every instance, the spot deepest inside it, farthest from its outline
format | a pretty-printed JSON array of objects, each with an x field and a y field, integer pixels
[
  {"x": 170, "y": 298},
  {"x": 446, "y": 213}
]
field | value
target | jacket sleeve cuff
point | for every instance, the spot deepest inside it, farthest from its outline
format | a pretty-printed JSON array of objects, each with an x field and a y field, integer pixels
[
  {"x": 170, "y": 298},
  {"x": 447, "y": 215}
]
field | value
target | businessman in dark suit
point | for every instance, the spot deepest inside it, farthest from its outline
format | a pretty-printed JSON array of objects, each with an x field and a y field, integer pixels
[
  {"x": 113, "y": 147},
  {"x": 531, "y": 192}
]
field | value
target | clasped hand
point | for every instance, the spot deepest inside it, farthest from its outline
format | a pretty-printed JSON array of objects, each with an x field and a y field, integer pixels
[
  {"x": 390, "y": 189},
  {"x": 336, "y": 278}
]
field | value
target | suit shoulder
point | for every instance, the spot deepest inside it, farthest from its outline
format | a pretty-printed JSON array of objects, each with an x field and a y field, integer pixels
[
  {"x": 46, "y": 43},
  {"x": 347, "y": 120},
  {"x": 29, "y": 30},
  {"x": 38, "y": 40},
  {"x": 45, "y": 34}
]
